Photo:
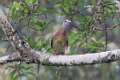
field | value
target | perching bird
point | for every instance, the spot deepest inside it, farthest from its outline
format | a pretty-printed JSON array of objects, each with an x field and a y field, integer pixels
[{"x": 59, "y": 40}]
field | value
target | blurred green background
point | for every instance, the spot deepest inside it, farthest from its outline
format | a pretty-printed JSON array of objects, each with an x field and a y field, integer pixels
[{"x": 95, "y": 28}]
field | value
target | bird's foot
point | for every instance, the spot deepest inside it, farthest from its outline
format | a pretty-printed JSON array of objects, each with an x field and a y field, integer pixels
[
  {"x": 55, "y": 54},
  {"x": 65, "y": 54}
]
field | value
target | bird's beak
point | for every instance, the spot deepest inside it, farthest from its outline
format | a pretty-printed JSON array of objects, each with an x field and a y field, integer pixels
[{"x": 72, "y": 25}]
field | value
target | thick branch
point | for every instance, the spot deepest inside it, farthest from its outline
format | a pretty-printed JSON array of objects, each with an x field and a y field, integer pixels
[
  {"x": 68, "y": 60},
  {"x": 10, "y": 58},
  {"x": 30, "y": 55}
]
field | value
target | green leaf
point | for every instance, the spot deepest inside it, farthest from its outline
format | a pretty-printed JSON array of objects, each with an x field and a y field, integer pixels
[
  {"x": 57, "y": 5},
  {"x": 96, "y": 32},
  {"x": 94, "y": 43},
  {"x": 81, "y": 44},
  {"x": 15, "y": 8},
  {"x": 15, "y": 77},
  {"x": 31, "y": 2},
  {"x": 37, "y": 8},
  {"x": 22, "y": 67},
  {"x": 31, "y": 42},
  {"x": 31, "y": 73},
  {"x": 58, "y": 74},
  {"x": 101, "y": 39},
  {"x": 107, "y": 1},
  {"x": 49, "y": 50},
  {"x": 72, "y": 37},
  {"x": 98, "y": 43},
  {"x": 24, "y": 70},
  {"x": 40, "y": 23},
  {"x": 33, "y": 20},
  {"x": 82, "y": 19},
  {"x": 93, "y": 49},
  {"x": 50, "y": 68},
  {"x": 77, "y": 40},
  {"x": 7, "y": 69},
  {"x": 50, "y": 22},
  {"x": 34, "y": 2},
  {"x": 79, "y": 20},
  {"x": 12, "y": 74},
  {"x": 88, "y": 46},
  {"x": 66, "y": 9},
  {"x": 16, "y": 5},
  {"x": 29, "y": 67}
]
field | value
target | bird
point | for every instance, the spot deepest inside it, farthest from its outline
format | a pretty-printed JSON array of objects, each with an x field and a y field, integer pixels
[{"x": 59, "y": 40}]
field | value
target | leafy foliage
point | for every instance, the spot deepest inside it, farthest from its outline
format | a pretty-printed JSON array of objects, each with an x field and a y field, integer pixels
[
  {"x": 89, "y": 17},
  {"x": 18, "y": 70}
]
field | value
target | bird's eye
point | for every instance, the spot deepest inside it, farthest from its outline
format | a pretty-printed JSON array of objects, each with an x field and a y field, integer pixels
[{"x": 65, "y": 20}]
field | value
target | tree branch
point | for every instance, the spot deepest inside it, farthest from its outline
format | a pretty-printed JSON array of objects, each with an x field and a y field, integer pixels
[
  {"x": 10, "y": 58},
  {"x": 28, "y": 54},
  {"x": 67, "y": 60}
]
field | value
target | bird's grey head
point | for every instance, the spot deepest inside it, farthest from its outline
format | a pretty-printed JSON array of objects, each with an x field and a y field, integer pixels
[{"x": 66, "y": 23}]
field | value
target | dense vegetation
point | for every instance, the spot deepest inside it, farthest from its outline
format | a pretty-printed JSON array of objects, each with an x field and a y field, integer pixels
[{"x": 95, "y": 28}]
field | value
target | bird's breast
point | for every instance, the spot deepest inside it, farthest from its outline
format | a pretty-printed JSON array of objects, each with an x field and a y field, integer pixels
[
  {"x": 61, "y": 37},
  {"x": 59, "y": 43}
]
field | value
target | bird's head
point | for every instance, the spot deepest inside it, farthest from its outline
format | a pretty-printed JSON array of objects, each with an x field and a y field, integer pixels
[{"x": 66, "y": 24}]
